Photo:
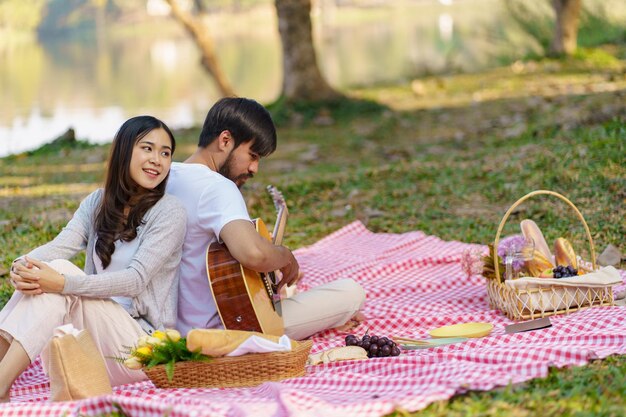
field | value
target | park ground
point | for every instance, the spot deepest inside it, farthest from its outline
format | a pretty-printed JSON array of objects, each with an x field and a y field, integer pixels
[{"x": 443, "y": 154}]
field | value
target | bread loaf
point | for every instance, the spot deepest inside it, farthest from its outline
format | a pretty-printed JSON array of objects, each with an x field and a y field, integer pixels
[
  {"x": 342, "y": 353},
  {"x": 564, "y": 253}
]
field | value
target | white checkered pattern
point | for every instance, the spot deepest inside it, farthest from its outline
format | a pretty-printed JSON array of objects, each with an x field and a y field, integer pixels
[{"x": 414, "y": 283}]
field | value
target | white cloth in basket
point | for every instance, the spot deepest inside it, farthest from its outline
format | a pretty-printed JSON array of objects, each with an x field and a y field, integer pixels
[
  {"x": 256, "y": 344},
  {"x": 603, "y": 277}
]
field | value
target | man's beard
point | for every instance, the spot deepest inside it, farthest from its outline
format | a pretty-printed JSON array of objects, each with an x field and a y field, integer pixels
[{"x": 227, "y": 171}]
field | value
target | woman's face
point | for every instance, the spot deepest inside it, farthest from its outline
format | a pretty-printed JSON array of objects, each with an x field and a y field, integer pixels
[{"x": 151, "y": 160}]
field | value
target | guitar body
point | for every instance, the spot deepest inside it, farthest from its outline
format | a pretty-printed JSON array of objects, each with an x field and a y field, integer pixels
[{"x": 243, "y": 301}]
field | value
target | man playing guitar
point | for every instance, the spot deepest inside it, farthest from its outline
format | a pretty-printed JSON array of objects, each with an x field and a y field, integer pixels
[{"x": 236, "y": 134}]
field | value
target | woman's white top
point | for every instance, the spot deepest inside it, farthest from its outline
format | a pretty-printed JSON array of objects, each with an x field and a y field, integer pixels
[{"x": 123, "y": 254}]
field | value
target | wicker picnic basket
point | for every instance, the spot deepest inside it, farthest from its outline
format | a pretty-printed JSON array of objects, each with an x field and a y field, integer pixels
[
  {"x": 531, "y": 303},
  {"x": 237, "y": 371}
]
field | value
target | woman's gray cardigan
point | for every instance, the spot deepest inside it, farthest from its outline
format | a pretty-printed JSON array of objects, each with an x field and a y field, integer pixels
[{"x": 151, "y": 278}]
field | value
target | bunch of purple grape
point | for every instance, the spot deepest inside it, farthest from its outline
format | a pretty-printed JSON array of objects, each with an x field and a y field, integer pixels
[
  {"x": 562, "y": 271},
  {"x": 376, "y": 347}
]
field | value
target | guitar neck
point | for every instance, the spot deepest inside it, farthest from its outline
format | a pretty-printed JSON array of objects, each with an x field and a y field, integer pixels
[
  {"x": 279, "y": 227},
  {"x": 281, "y": 216}
]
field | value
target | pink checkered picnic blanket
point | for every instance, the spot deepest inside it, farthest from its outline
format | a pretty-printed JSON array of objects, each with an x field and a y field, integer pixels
[{"x": 414, "y": 283}]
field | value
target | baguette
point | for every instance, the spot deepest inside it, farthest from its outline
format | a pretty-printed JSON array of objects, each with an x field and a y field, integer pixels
[
  {"x": 218, "y": 342},
  {"x": 530, "y": 230}
]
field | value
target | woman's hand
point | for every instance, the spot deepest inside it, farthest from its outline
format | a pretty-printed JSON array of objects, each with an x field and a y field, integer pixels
[
  {"x": 25, "y": 286},
  {"x": 35, "y": 277}
]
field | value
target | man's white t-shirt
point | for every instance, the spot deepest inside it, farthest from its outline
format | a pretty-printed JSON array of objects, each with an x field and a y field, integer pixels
[{"x": 212, "y": 201}]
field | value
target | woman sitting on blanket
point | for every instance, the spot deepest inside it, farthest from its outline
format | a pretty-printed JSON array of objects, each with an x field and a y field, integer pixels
[{"x": 133, "y": 233}]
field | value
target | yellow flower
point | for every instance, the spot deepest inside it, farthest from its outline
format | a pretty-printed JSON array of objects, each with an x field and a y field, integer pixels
[
  {"x": 133, "y": 363},
  {"x": 159, "y": 335},
  {"x": 144, "y": 351},
  {"x": 173, "y": 335},
  {"x": 153, "y": 341},
  {"x": 143, "y": 341}
]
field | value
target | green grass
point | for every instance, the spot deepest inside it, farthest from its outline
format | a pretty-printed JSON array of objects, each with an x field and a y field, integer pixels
[
  {"x": 449, "y": 162},
  {"x": 597, "y": 389}
]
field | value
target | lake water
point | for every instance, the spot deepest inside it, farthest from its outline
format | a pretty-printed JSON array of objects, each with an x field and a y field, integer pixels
[{"x": 93, "y": 84}]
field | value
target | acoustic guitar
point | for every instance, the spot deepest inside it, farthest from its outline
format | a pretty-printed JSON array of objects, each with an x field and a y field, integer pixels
[{"x": 246, "y": 299}]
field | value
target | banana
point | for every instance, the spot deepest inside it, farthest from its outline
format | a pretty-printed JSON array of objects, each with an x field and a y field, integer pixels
[
  {"x": 564, "y": 253},
  {"x": 538, "y": 264},
  {"x": 530, "y": 230},
  {"x": 216, "y": 342},
  {"x": 489, "y": 270}
]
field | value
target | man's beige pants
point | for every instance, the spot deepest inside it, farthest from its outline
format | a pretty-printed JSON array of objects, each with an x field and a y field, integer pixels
[{"x": 320, "y": 308}]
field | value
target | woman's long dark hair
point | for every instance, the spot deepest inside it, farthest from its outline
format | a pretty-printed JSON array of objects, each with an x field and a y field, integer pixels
[{"x": 120, "y": 191}]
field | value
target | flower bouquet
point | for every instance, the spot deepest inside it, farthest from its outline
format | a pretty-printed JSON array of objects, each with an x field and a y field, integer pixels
[{"x": 162, "y": 348}]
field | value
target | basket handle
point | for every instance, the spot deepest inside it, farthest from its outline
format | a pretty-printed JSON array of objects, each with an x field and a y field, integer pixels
[{"x": 520, "y": 201}]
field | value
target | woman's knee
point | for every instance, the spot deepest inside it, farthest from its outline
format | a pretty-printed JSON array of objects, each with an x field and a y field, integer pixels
[{"x": 63, "y": 266}]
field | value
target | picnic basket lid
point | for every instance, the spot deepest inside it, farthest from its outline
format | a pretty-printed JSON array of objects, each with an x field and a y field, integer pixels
[{"x": 235, "y": 371}]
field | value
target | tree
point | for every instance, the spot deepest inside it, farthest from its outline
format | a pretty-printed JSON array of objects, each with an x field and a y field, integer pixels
[
  {"x": 203, "y": 39},
  {"x": 566, "y": 28},
  {"x": 302, "y": 79}
]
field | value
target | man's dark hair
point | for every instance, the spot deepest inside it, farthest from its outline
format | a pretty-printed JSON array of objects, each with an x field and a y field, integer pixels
[{"x": 245, "y": 119}]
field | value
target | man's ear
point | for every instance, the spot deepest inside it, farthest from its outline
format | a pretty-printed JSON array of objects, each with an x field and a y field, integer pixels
[{"x": 225, "y": 141}]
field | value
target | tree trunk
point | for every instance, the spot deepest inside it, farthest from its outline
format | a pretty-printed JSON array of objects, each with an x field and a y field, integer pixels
[
  {"x": 199, "y": 7},
  {"x": 203, "y": 39},
  {"x": 302, "y": 79},
  {"x": 567, "y": 19}
]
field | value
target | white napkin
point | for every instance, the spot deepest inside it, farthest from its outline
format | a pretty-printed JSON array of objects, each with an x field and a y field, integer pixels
[
  {"x": 603, "y": 277},
  {"x": 65, "y": 329},
  {"x": 256, "y": 344}
]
